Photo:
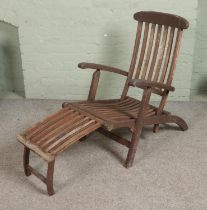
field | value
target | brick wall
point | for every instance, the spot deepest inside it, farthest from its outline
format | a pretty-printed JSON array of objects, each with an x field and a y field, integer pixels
[
  {"x": 56, "y": 35},
  {"x": 199, "y": 77}
]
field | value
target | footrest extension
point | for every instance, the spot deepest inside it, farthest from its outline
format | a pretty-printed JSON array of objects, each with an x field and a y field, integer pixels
[{"x": 55, "y": 134}]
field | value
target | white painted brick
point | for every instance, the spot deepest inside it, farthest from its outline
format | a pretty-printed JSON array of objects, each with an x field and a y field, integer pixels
[{"x": 56, "y": 35}]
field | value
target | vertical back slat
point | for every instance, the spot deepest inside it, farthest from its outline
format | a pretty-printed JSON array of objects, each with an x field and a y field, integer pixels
[
  {"x": 149, "y": 50},
  {"x": 144, "y": 43},
  {"x": 160, "y": 59},
  {"x": 134, "y": 58},
  {"x": 175, "y": 55},
  {"x": 156, "y": 48},
  {"x": 136, "y": 48},
  {"x": 167, "y": 57}
]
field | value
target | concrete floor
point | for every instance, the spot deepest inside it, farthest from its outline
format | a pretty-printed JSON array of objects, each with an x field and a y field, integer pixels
[{"x": 170, "y": 170}]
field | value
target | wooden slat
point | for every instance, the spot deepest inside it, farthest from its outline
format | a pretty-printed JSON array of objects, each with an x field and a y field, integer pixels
[
  {"x": 59, "y": 130},
  {"x": 50, "y": 128},
  {"x": 175, "y": 55},
  {"x": 108, "y": 113},
  {"x": 88, "y": 114},
  {"x": 47, "y": 123},
  {"x": 72, "y": 133},
  {"x": 59, "y": 148},
  {"x": 41, "y": 123},
  {"x": 160, "y": 59},
  {"x": 144, "y": 43},
  {"x": 167, "y": 56},
  {"x": 65, "y": 134},
  {"x": 136, "y": 48},
  {"x": 157, "y": 44},
  {"x": 134, "y": 59},
  {"x": 149, "y": 50}
]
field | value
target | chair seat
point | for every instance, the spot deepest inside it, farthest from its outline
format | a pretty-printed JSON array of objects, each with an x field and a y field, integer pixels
[{"x": 115, "y": 112}]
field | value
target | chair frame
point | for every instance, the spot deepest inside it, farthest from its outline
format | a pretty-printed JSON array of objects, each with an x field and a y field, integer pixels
[
  {"x": 148, "y": 85},
  {"x": 53, "y": 135}
]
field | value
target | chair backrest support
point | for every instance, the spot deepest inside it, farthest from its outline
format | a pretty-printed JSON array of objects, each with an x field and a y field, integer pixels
[{"x": 156, "y": 47}]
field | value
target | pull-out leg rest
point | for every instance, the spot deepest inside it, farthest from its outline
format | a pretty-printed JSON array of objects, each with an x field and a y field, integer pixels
[{"x": 52, "y": 136}]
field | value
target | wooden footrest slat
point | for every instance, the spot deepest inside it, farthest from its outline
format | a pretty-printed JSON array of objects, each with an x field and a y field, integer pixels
[{"x": 57, "y": 132}]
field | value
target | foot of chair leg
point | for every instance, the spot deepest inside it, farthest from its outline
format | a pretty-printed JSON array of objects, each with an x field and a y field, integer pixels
[
  {"x": 50, "y": 172},
  {"x": 156, "y": 128},
  {"x": 130, "y": 157},
  {"x": 128, "y": 164},
  {"x": 26, "y": 161},
  {"x": 64, "y": 104}
]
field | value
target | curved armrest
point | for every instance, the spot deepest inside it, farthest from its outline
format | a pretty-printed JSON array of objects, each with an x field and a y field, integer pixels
[
  {"x": 145, "y": 84},
  {"x": 102, "y": 67}
]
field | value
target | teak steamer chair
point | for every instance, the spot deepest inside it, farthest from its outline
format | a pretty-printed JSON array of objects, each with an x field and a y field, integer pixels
[{"x": 152, "y": 68}]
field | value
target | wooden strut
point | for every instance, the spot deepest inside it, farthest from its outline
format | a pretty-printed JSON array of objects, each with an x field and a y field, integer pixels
[{"x": 114, "y": 137}]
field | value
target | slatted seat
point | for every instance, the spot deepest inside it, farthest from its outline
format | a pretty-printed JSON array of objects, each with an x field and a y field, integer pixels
[
  {"x": 152, "y": 67},
  {"x": 115, "y": 113}
]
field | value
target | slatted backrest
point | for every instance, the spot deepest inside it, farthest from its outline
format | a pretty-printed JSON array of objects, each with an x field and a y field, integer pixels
[{"x": 156, "y": 46}]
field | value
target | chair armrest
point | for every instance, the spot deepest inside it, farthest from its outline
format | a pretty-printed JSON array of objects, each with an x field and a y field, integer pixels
[
  {"x": 149, "y": 84},
  {"x": 102, "y": 67}
]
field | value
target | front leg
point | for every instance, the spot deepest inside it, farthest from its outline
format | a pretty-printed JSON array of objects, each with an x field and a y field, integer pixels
[
  {"x": 133, "y": 145},
  {"x": 138, "y": 128},
  {"x": 49, "y": 180},
  {"x": 26, "y": 161}
]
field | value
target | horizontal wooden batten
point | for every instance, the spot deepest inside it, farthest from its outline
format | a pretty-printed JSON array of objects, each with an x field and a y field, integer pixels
[
  {"x": 162, "y": 19},
  {"x": 114, "y": 137}
]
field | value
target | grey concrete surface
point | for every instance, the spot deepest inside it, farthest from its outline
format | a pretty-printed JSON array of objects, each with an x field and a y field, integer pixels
[{"x": 170, "y": 170}]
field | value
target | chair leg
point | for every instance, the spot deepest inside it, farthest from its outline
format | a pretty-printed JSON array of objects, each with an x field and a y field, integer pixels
[
  {"x": 156, "y": 128},
  {"x": 50, "y": 172},
  {"x": 133, "y": 146},
  {"x": 26, "y": 161}
]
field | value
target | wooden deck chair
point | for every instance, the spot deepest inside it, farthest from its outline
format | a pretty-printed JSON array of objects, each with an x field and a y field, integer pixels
[{"x": 152, "y": 68}]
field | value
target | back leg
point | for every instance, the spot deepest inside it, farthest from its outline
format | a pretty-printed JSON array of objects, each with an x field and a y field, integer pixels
[
  {"x": 156, "y": 128},
  {"x": 179, "y": 121},
  {"x": 171, "y": 119}
]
